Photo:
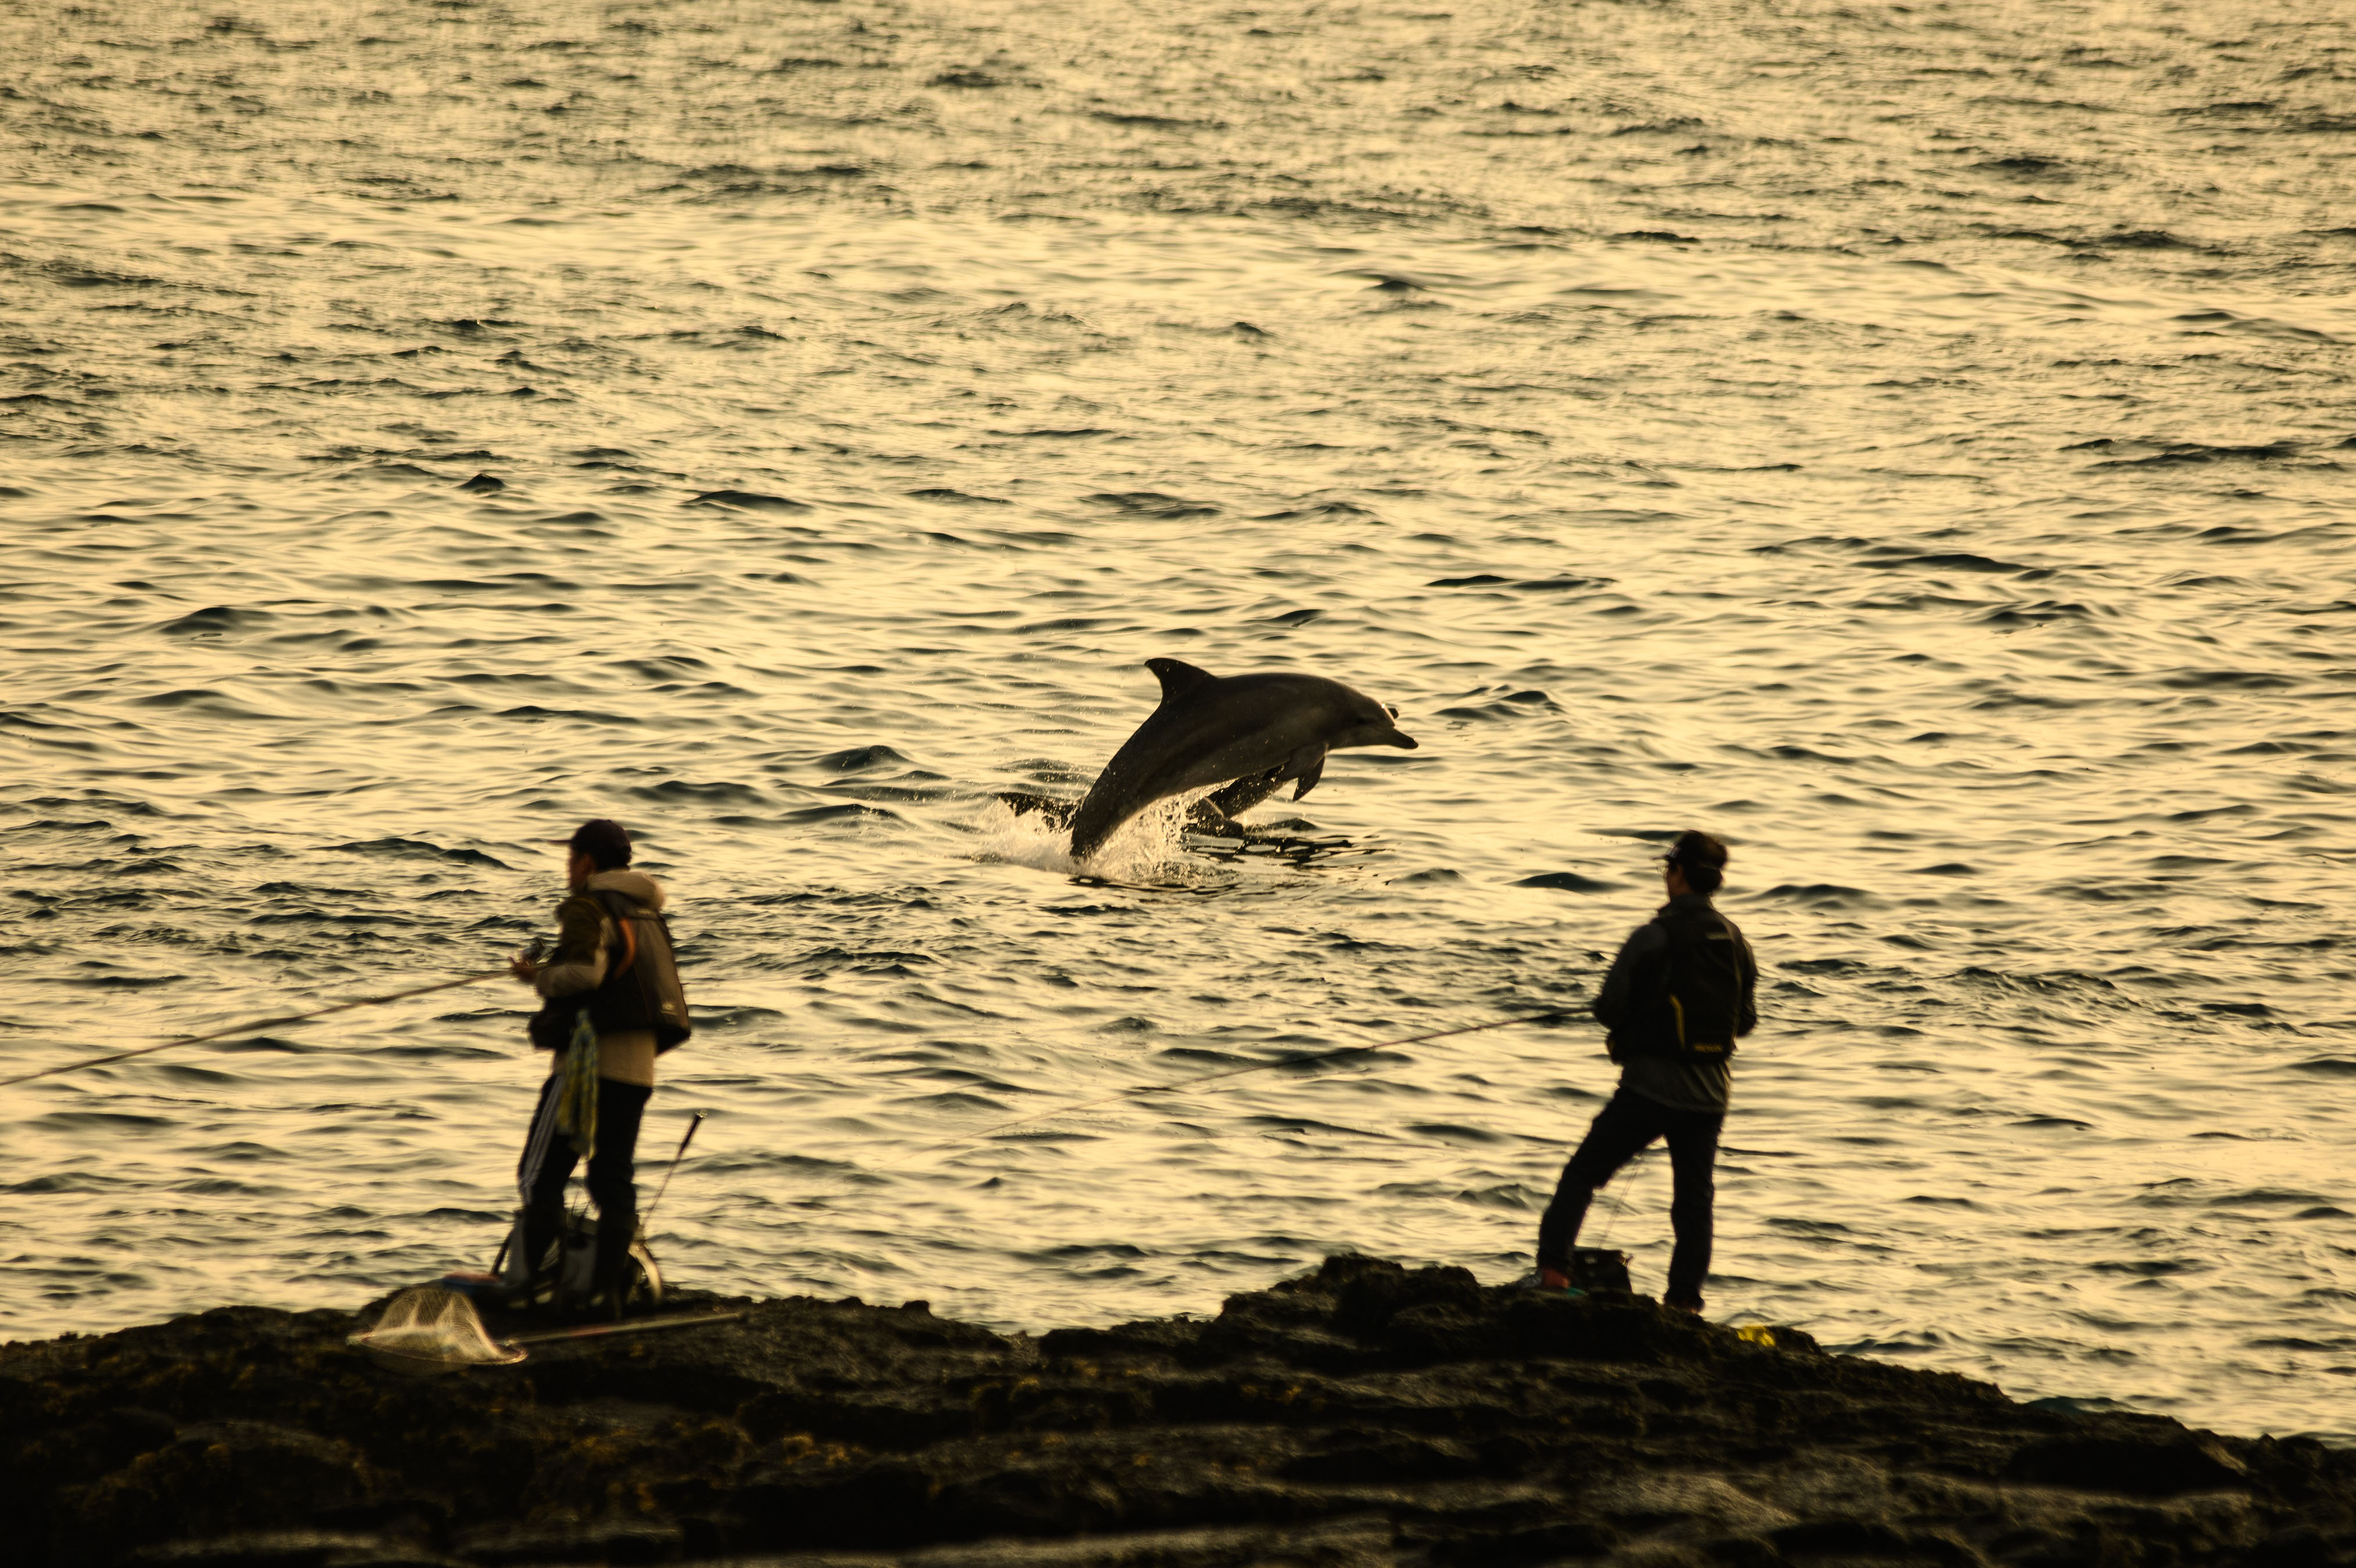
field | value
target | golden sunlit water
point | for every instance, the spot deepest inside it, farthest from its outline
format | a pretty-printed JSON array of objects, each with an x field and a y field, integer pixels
[{"x": 1911, "y": 442}]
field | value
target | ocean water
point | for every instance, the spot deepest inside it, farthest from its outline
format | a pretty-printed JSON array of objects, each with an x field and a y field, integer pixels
[{"x": 1911, "y": 442}]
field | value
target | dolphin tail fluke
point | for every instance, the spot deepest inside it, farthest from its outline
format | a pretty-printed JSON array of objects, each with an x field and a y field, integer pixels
[{"x": 1055, "y": 814}]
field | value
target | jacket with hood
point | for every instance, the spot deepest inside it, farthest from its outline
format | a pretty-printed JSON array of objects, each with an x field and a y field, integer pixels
[{"x": 586, "y": 943}]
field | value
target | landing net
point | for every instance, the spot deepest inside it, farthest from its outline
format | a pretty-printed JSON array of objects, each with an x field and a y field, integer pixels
[{"x": 429, "y": 1329}]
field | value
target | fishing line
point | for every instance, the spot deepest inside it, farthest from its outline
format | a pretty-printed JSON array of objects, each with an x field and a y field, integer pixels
[
  {"x": 1614, "y": 1207},
  {"x": 255, "y": 1027},
  {"x": 1301, "y": 1059}
]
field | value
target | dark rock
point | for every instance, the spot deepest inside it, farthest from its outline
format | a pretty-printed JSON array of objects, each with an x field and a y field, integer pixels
[
  {"x": 1162, "y": 1338},
  {"x": 1364, "y": 1414},
  {"x": 217, "y": 1478},
  {"x": 1356, "y": 1454},
  {"x": 2296, "y": 1546},
  {"x": 2167, "y": 1461},
  {"x": 622, "y": 1542},
  {"x": 1871, "y": 1537},
  {"x": 1533, "y": 1543},
  {"x": 263, "y": 1549},
  {"x": 1366, "y": 1302}
]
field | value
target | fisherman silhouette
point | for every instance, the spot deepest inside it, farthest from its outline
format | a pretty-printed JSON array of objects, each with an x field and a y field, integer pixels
[
  {"x": 1674, "y": 1001},
  {"x": 613, "y": 1003}
]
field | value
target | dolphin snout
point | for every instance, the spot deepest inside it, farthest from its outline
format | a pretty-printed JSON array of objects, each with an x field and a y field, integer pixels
[{"x": 1402, "y": 739}]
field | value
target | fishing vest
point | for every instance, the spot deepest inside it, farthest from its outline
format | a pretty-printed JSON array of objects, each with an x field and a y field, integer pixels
[
  {"x": 1694, "y": 1005},
  {"x": 641, "y": 988}
]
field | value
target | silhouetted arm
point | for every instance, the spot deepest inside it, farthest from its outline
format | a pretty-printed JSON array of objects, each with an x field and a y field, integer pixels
[
  {"x": 579, "y": 962},
  {"x": 1746, "y": 1017},
  {"x": 1615, "y": 1002}
]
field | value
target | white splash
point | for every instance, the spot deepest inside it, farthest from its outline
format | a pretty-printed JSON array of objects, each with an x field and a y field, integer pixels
[{"x": 1149, "y": 846}]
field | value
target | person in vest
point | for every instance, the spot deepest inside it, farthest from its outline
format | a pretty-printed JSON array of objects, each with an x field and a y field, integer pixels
[
  {"x": 1675, "y": 999},
  {"x": 613, "y": 958}
]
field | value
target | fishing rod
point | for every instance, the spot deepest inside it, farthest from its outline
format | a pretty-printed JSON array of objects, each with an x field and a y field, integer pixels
[
  {"x": 635, "y": 1326},
  {"x": 1298, "y": 1059},
  {"x": 255, "y": 1027},
  {"x": 679, "y": 1155}
]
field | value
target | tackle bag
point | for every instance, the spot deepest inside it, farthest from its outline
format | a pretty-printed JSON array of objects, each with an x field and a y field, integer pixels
[
  {"x": 550, "y": 1029},
  {"x": 1601, "y": 1268},
  {"x": 576, "y": 1267}
]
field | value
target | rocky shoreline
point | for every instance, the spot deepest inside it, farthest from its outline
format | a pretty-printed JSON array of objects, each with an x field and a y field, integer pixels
[{"x": 1363, "y": 1414}]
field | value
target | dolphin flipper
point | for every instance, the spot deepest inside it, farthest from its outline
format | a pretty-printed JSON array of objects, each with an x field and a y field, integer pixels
[
  {"x": 1245, "y": 793},
  {"x": 1308, "y": 765}
]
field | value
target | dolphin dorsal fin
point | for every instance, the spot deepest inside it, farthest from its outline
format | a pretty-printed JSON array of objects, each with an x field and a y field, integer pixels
[{"x": 1178, "y": 678}]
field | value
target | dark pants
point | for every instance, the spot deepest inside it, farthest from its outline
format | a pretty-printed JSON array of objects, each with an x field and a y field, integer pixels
[
  {"x": 1624, "y": 1127},
  {"x": 547, "y": 1164}
]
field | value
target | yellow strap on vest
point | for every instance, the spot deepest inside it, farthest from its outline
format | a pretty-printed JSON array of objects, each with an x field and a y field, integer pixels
[
  {"x": 629, "y": 945},
  {"x": 630, "y": 938}
]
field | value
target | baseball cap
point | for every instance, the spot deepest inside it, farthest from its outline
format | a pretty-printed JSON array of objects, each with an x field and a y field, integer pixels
[
  {"x": 1693, "y": 848},
  {"x": 604, "y": 841}
]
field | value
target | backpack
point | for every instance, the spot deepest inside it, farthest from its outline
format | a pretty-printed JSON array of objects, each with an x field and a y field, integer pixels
[
  {"x": 641, "y": 988},
  {"x": 1705, "y": 978}
]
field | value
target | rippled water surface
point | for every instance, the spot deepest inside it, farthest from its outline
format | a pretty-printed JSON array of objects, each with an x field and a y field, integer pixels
[{"x": 1911, "y": 442}]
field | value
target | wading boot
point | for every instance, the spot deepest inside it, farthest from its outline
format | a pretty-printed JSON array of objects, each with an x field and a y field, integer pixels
[{"x": 610, "y": 1280}]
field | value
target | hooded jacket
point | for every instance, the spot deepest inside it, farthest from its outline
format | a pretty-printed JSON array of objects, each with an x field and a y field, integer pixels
[{"x": 585, "y": 941}]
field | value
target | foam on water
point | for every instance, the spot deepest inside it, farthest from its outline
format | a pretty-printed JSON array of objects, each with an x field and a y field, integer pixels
[{"x": 1149, "y": 846}]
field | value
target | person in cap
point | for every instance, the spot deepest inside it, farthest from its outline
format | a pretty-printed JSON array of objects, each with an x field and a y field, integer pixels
[
  {"x": 1677, "y": 997},
  {"x": 613, "y": 961}
]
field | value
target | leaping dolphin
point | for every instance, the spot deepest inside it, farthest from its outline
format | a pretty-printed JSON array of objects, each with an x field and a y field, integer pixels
[{"x": 1259, "y": 730}]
